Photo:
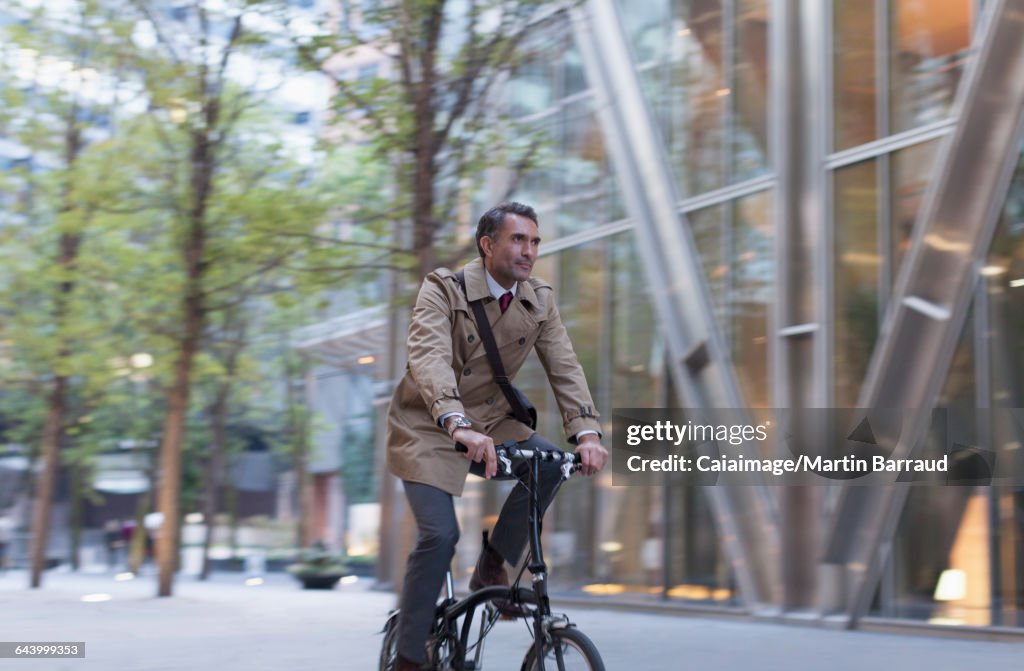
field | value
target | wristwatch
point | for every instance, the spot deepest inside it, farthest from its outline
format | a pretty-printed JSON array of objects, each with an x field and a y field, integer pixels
[{"x": 457, "y": 422}]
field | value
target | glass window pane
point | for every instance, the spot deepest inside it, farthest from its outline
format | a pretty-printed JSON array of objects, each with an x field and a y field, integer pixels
[
  {"x": 573, "y": 526},
  {"x": 647, "y": 27},
  {"x": 532, "y": 84},
  {"x": 752, "y": 295},
  {"x": 697, "y": 570},
  {"x": 750, "y": 90},
  {"x": 572, "y": 70},
  {"x": 697, "y": 90},
  {"x": 708, "y": 226},
  {"x": 856, "y": 82},
  {"x": 638, "y": 363},
  {"x": 584, "y": 163},
  {"x": 580, "y": 297},
  {"x": 630, "y": 551},
  {"x": 857, "y": 266},
  {"x": 536, "y": 186},
  {"x": 940, "y": 569},
  {"x": 911, "y": 170},
  {"x": 1005, "y": 342},
  {"x": 1006, "y": 299},
  {"x": 580, "y": 215},
  {"x": 654, "y": 83},
  {"x": 929, "y": 44}
]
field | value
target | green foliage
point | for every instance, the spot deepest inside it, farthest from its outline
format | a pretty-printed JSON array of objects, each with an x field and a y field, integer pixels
[
  {"x": 317, "y": 561},
  {"x": 429, "y": 112},
  {"x": 55, "y": 311},
  {"x": 116, "y": 173}
]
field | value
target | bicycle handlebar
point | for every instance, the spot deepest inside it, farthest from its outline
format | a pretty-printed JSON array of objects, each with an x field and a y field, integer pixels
[{"x": 509, "y": 450}]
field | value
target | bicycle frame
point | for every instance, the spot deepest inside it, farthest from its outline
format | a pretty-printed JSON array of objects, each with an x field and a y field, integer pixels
[{"x": 451, "y": 609}]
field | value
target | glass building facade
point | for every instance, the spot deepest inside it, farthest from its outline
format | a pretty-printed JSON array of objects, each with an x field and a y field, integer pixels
[{"x": 891, "y": 71}]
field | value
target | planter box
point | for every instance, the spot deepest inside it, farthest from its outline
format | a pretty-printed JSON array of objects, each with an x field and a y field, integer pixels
[
  {"x": 233, "y": 564},
  {"x": 327, "y": 581}
]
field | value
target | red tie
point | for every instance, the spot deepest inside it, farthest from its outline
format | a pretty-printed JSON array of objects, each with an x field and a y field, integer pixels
[{"x": 505, "y": 301}]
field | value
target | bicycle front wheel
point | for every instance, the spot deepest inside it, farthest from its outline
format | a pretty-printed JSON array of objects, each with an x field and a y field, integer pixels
[{"x": 567, "y": 649}]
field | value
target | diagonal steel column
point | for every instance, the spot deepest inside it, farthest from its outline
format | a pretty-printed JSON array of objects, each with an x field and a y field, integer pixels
[
  {"x": 699, "y": 359},
  {"x": 932, "y": 295}
]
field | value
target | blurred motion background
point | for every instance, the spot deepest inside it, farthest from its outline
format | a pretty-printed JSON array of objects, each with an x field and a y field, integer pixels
[{"x": 215, "y": 216}]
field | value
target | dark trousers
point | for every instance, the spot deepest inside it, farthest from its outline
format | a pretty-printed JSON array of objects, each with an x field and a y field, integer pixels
[{"x": 437, "y": 534}]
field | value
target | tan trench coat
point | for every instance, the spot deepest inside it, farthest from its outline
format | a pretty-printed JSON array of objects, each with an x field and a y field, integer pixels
[{"x": 447, "y": 371}]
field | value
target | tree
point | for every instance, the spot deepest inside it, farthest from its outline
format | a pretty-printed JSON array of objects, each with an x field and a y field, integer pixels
[
  {"x": 215, "y": 193},
  {"x": 431, "y": 110},
  {"x": 54, "y": 100}
]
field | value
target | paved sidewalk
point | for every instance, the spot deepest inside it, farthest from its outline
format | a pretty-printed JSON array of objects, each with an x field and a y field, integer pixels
[{"x": 226, "y": 626}]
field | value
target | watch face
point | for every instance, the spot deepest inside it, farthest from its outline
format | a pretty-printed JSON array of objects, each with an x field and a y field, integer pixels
[{"x": 459, "y": 423}]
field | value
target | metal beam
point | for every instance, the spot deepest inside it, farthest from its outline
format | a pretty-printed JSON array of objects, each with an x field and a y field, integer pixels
[
  {"x": 932, "y": 295},
  {"x": 699, "y": 360},
  {"x": 798, "y": 148}
]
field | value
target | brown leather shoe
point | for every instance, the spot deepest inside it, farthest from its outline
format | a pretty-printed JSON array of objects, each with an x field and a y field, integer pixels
[{"x": 490, "y": 572}]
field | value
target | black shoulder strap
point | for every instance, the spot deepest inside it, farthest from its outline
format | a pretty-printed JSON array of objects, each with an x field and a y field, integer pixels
[{"x": 500, "y": 378}]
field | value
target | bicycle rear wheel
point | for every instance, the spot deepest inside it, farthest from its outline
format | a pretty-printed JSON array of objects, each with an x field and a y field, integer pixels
[{"x": 567, "y": 649}]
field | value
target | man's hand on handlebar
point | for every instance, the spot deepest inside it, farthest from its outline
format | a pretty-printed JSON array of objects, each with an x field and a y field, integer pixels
[
  {"x": 479, "y": 447},
  {"x": 593, "y": 456}
]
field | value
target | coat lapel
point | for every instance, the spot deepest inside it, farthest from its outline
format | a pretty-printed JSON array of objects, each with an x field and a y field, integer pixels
[{"x": 504, "y": 326}]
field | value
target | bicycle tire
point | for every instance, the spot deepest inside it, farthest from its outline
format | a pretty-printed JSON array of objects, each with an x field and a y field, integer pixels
[
  {"x": 578, "y": 653},
  {"x": 389, "y": 646}
]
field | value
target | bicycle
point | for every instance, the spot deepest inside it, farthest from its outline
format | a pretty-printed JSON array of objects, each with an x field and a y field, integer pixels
[{"x": 557, "y": 642}]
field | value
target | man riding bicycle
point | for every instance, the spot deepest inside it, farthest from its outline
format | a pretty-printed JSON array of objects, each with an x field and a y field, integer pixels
[{"x": 449, "y": 395}]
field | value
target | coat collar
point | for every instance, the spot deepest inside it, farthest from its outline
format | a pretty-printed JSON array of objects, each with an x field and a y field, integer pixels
[{"x": 476, "y": 284}]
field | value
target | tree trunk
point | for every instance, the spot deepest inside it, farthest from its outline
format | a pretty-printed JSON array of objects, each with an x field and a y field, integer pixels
[
  {"x": 52, "y": 432},
  {"x": 137, "y": 543},
  {"x": 305, "y": 483},
  {"x": 75, "y": 519},
  {"x": 214, "y": 471},
  {"x": 170, "y": 455},
  {"x": 194, "y": 317},
  {"x": 231, "y": 505},
  {"x": 298, "y": 421}
]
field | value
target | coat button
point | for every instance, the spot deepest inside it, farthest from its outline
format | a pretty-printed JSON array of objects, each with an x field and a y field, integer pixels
[
  {"x": 490, "y": 401},
  {"x": 471, "y": 337},
  {"x": 522, "y": 341},
  {"x": 466, "y": 371}
]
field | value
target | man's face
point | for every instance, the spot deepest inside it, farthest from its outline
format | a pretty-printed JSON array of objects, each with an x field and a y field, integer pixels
[{"x": 509, "y": 256}]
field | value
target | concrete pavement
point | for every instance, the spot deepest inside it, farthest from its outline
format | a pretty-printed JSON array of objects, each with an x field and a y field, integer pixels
[{"x": 225, "y": 625}]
